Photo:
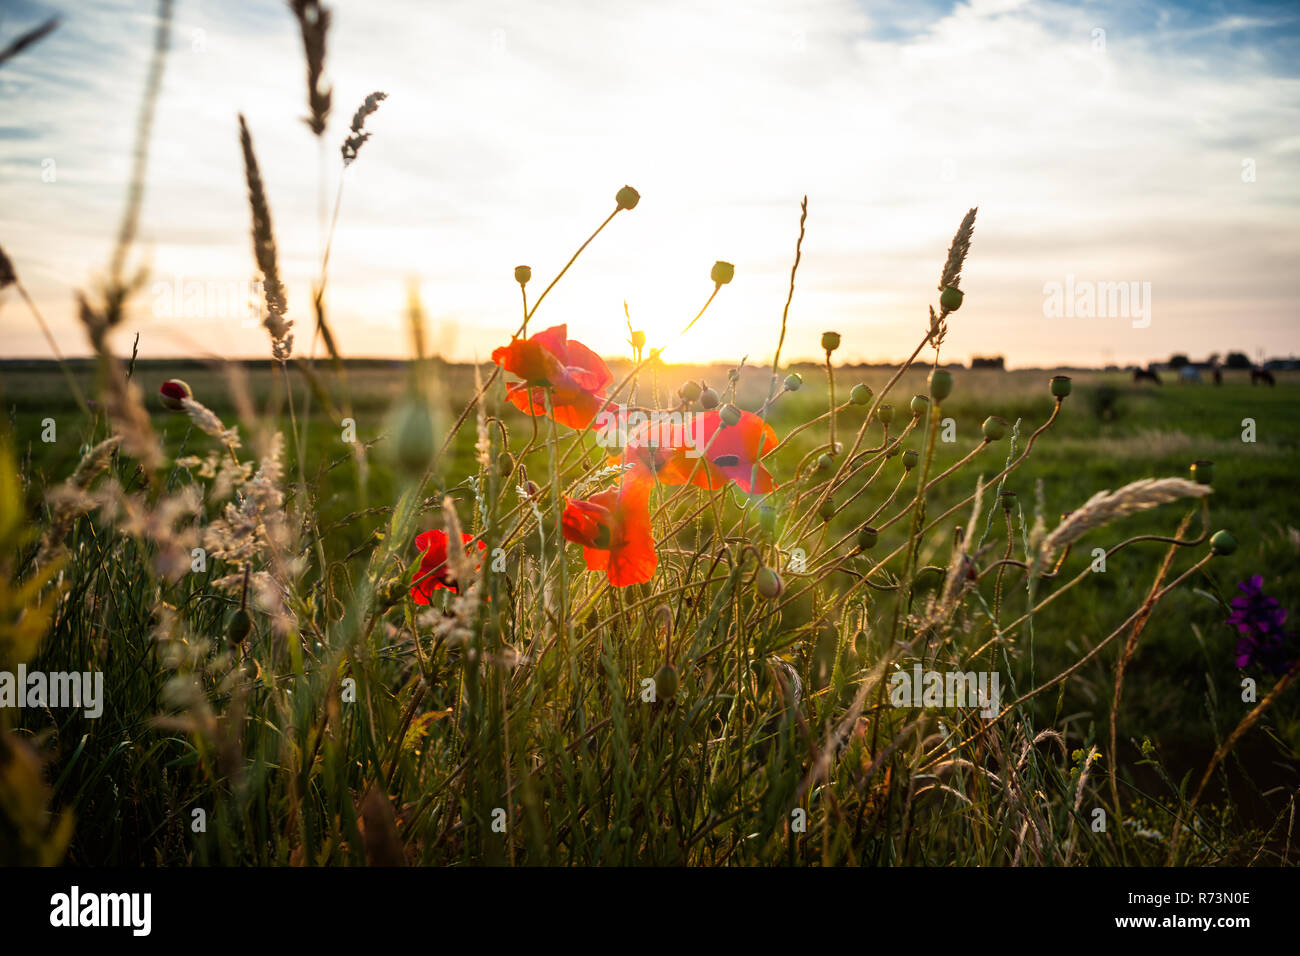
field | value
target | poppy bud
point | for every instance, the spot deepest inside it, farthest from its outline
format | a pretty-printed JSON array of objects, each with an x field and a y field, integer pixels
[
  {"x": 867, "y": 536},
  {"x": 830, "y": 341},
  {"x": 729, "y": 414},
  {"x": 533, "y": 490},
  {"x": 241, "y": 625},
  {"x": 1223, "y": 543},
  {"x": 722, "y": 272},
  {"x": 768, "y": 584},
  {"x": 860, "y": 394},
  {"x": 920, "y": 405},
  {"x": 885, "y": 413},
  {"x": 505, "y": 464},
  {"x": 173, "y": 393},
  {"x": 940, "y": 384},
  {"x": 523, "y": 274},
  {"x": 1060, "y": 385},
  {"x": 826, "y": 510},
  {"x": 638, "y": 339},
  {"x": 995, "y": 429},
  {"x": 1203, "y": 472},
  {"x": 666, "y": 682},
  {"x": 825, "y": 463},
  {"x": 689, "y": 391},
  {"x": 950, "y": 299},
  {"x": 909, "y": 459},
  {"x": 627, "y": 198},
  {"x": 929, "y": 576},
  {"x": 708, "y": 398},
  {"x": 793, "y": 382}
]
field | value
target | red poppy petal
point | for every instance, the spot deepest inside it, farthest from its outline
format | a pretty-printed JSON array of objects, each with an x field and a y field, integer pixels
[
  {"x": 582, "y": 521},
  {"x": 577, "y": 409},
  {"x": 586, "y": 368}
]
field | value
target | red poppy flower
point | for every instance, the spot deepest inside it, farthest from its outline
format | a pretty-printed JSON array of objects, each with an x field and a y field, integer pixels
[
  {"x": 433, "y": 572},
  {"x": 613, "y": 526},
  {"x": 575, "y": 375},
  {"x": 706, "y": 452}
]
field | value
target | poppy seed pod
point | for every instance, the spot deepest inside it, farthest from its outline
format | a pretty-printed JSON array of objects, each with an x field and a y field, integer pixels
[
  {"x": 1222, "y": 543},
  {"x": 885, "y": 413},
  {"x": 708, "y": 398},
  {"x": 867, "y": 537},
  {"x": 950, "y": 299},
  {"x": 920, "y": 405},
  {"x": 627, "y": 198},
  {"x": 523, "y": 274},
  {"x": 690, "y": 391},
  {"x": 826, "y": 510},
  {"x": 793, "y": 382},
  {"x": 909, "y": 459},
  {"x": 768, "y": 584},
  {"x": 666, "y": 682},
  {"x": 173, "y": 393},
  {"x": 729, "y": 414},
  {"x": 995, "y": 428},
  {"x": 860, "y": 394},
  {"x": 1060, "y": 385},
  {"x": 830, "y": 341},
  {"x": 722, "y": 272},
  {"x": 1203, "y": 472},
  {"x": 1007, "y": 499},
  {"x": 940, "y": 384}
]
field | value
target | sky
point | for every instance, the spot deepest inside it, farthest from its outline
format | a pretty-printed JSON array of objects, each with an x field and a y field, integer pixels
[{"x": 1155, "y": 145}]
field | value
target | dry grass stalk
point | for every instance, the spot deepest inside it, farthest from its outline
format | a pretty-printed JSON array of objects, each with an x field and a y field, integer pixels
[
  {"x": 314, "y": 23},
  {"x": 265, "y": 254},
  {"x": 1107, "y": 506},
  {"x": 357, "y": 138}
]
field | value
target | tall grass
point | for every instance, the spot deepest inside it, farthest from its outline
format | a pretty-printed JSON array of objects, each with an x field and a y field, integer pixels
[{"x": 276, "y": 696}]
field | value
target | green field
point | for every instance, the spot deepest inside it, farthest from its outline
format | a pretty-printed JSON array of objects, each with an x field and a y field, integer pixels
[{"x": 1181, "y": 689}]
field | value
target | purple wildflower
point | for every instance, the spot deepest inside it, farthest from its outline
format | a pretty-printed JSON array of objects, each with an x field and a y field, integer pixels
[{"x": 1260, "y": 619}]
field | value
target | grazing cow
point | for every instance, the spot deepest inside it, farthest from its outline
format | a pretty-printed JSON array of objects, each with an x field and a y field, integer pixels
[
  {"x": 1189, "y": 375},
  {"x": 1258, "y": 375},
  {"x": 1145, "y": 374}
]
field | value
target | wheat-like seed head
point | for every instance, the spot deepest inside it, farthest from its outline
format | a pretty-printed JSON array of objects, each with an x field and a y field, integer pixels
[
  {"x": 264, "y": 252},
  {"x": 209, "y": 423},
  {"x": 1107, "y": 506}
]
